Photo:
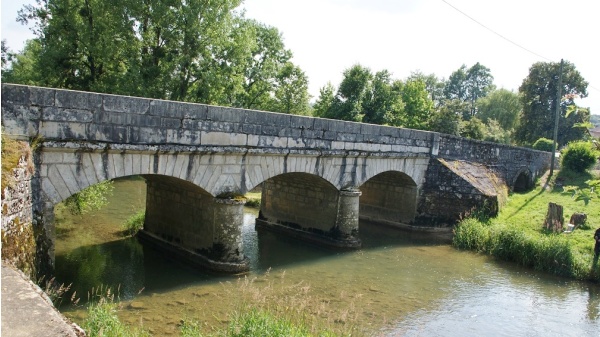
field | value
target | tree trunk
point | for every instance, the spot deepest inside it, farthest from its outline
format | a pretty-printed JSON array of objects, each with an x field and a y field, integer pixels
[
  {"x": 554, "y": 218},
  {"x": 578, "y": 219}
]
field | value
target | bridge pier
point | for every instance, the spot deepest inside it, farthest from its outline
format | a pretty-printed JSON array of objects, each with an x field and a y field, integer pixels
[
  {"x": 303, "y": 207},
  {"x": 190, "y": 224}
]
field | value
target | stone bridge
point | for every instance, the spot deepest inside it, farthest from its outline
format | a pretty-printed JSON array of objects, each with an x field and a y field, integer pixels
[{"x": 317, "y": 176}]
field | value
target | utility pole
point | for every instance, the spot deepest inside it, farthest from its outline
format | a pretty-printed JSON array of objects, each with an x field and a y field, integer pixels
[{"x": 558, "y": 97}]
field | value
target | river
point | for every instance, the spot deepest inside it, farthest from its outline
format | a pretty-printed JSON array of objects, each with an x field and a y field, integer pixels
[{"x": 398, "y": 284}]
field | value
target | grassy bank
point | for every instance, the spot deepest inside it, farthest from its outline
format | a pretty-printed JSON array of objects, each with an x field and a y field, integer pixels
[{"x": 517, "y": 234}]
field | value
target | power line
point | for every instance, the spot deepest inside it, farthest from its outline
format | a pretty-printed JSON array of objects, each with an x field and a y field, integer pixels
[{"x": 493, "y": 31}]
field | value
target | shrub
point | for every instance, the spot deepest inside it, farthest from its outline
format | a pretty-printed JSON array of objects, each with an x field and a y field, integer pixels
[
  {"x": 579, "y": 156},
  {"x": 136, "y": 222},
  {"x": 543, "y": 144},
  {"x": 89, "y": 199}
]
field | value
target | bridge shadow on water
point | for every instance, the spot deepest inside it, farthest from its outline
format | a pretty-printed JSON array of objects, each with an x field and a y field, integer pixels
[{"x": 128, "y": 267}]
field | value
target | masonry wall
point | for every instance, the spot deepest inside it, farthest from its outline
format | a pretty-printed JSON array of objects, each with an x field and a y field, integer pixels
[
  {"x": 18, "y": 234},
  {"x": 179, "y": 213},
  {"x": 299, "y": 201},
  {"x": 390, "y": 197}
]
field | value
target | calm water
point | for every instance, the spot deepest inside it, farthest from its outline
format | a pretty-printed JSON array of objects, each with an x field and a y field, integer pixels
[{"x": 398, "y": 284}]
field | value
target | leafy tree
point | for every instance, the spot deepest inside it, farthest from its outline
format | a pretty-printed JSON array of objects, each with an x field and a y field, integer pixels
[
  {"x": 502, "y": 106},
  {"x": 494, "y": 132},
  {"x": 433, "y": 85},
  {"x": 291, "y": 93},
  {"x": 352, "y": 92},
  {"x": 89, "y": 199},
  {"x": 418, "y": 106},
  {"x": 382, "y": 104},
  {"x": 24, "y": 67},
  {"x": 538, "y": 96},
  {"x": 447, "y": 119},
  {"x": 468, "y": 85},
  {"x": 324, "y": 102},
  {"x": 474, "y": 129}
]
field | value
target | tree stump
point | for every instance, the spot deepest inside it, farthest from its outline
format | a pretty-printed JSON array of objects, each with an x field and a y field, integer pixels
[
  {"x": 578, "y": 219},
  {"x": 554, "y": 218}
]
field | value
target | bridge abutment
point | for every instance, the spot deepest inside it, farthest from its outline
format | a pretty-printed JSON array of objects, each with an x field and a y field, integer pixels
[{"x": 189, "y": 223}]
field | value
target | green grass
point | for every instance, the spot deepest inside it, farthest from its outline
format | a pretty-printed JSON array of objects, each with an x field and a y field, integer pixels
[
  {"x": 253, "y": 199},
  {"x": 135, "y": 223},
  {"x": 102, "y": 321},
  {"x": 517, "y": 234}
]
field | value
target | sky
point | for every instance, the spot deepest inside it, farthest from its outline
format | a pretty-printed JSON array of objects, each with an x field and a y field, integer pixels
[{"x": 430, "y": 36}]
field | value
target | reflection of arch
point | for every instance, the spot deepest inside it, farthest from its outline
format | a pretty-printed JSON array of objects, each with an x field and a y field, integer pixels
[
  {"x": 389, "y": 197},
  {"x": 523, "y": 181}
]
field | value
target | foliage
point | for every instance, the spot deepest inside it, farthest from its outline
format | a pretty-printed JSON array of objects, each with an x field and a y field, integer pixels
[
  {"x": 253, "y": 199},
  {"x": 579, "y": 156},
  {"x": 543, "y": 144},
  {"x": 585, "y": 194},
  {"x": 417, "y": 105},
  {"x": 447, "y": 118},
  {"x": 469, "y": 85},
  {"x": 538, "y": 96},
  {"x": 102, "y": 321},
  {"x": 517, "y": 234},
  {"x": 502, "y": 106},
  {"x": 473, "y": 128},
  {"x": 196, "y": 51},
  {"x": 90, "y": 199},
  {"x": 495, "y": 133},
  {"x": 135, "y": 223}
]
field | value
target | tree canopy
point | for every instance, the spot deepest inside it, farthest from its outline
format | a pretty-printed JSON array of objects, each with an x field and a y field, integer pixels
[
  {"x": 194, "y": 50},
  {"x": 538, "y": 97}
]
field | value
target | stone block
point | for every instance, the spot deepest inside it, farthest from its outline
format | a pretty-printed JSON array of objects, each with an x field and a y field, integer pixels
[
  {"x": 147, "y": 135},
  {"x": 78, "y": 100},
  {"x": 63, "y": 130},
  {"x": 224, "y": 114},
  {"x": 126, "y": 104},
  {"x": 66, "y": 115},
  {"x": 147, "y": 121},
  {"x": 108, "y": 133},
  {"x": 41, "y": 96},
  {"x": 301, "y": 122},
  {"x": 223, "y": 139},
  {"x": 170, "y": 123}
]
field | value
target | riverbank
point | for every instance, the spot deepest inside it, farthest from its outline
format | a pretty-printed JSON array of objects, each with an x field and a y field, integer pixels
[
  {"x": 27, "y": 310},
  {"x": 517, "y": 234}
]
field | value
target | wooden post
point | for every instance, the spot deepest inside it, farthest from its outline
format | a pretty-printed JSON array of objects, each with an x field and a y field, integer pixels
[{"x": 554, "y": 218}]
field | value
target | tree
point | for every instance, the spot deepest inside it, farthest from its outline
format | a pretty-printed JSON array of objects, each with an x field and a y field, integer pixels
[
  {"x": 447, "y": 119},
  {"x": 502, "y": 106},
  {"x": 324, "y": 102},
  {"x": 291, "y": 93},
  {"x": 474, "y": 129},
  {"x": 468, "y": 85},
  {"x": 352, "y": 92},
  {"x": 382, "y": 104},
  {"x": 433, "y": 85},
  {"x": 418, "y": 106},
  {"x": 538, "y": 96}
]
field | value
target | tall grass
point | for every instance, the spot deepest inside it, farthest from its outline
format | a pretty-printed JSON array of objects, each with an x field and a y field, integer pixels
[
  {"x": 517, "y": 234},
  {"x": 134, "y": 223}
]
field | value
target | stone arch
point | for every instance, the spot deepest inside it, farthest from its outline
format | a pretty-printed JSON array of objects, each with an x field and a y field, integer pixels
[
  {"x": 299, "y": 200},
  {"x": 523, "y": 181},
  {"x": 389, "y": 197}
]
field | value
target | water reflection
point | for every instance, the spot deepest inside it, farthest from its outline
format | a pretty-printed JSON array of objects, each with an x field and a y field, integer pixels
[{"x": 399, "y": 284}]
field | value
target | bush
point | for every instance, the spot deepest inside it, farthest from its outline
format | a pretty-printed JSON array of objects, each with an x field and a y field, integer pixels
[
  {"x": 579, "y": 156},
  {"x": 136, "y": 222},
  {"x": 543, "y": 144},
  {"x": 89, "y": 199}
]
